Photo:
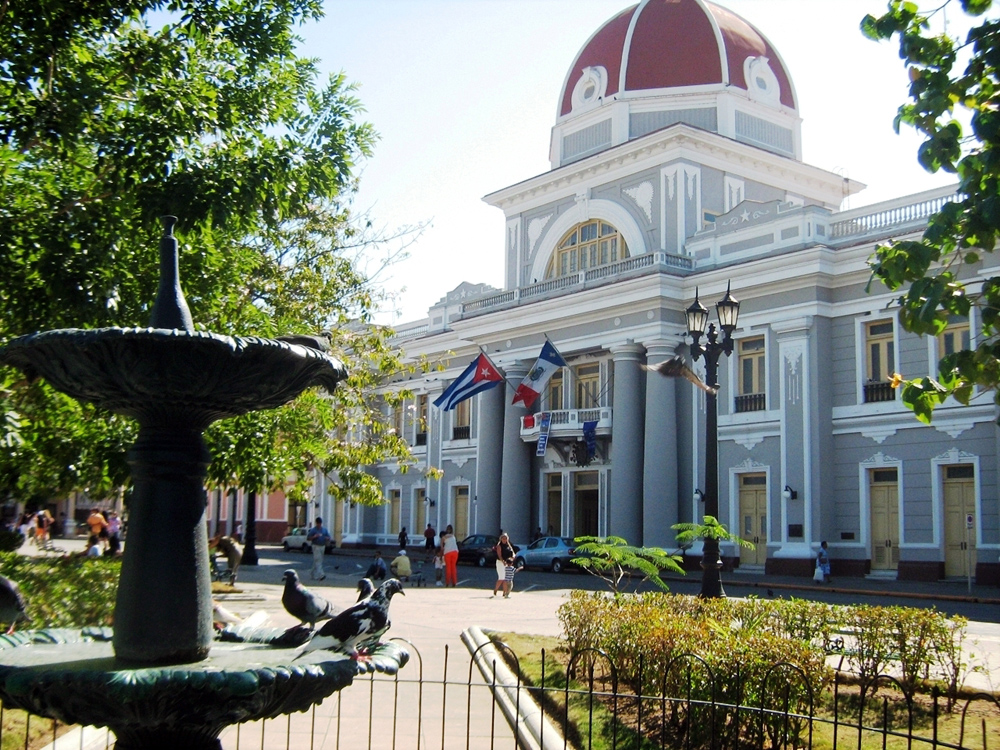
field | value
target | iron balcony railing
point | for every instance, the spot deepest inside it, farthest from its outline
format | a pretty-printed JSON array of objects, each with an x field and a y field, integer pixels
[
  {"x": 751, "y": 402},
  {"x": 876, "y": 391}
]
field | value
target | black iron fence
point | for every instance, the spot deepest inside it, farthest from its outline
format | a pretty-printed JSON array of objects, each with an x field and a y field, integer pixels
[{"x": 485, "y": 703}]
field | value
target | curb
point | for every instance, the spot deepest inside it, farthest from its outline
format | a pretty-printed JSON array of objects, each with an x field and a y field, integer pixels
[
  {"x": 521, "y": 710},
  {"x": 859, "y": 592},
  {"x": 83, "y": 738}
]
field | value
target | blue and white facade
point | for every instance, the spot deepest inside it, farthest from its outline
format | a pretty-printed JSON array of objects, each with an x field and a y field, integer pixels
[{"x": 673, "y": 176}]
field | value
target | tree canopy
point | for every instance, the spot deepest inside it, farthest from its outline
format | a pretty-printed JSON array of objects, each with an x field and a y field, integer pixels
[
  {"x": 115, "y": 113},
  {"x": 942, "y": 275}
]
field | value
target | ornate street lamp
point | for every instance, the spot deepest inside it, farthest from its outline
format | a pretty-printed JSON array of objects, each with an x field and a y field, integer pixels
[{"x": 728, "y": 310}]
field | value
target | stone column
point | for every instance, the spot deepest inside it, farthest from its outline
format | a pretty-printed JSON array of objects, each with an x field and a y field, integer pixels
[
  {"x": 660, "y": 503},
  {"x": 515, "y": 487},
  {"x": 489, "y": 458},
  {"x": 625, "y": 514}
]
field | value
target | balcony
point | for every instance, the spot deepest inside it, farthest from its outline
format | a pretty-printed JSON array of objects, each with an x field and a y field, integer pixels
[
  {"x": 878, "y": 391},
  {"x": 460, "y": 433},
  {"x": 751, "y": 402},
  {"x": 567, "y": 423},
  {"x": 421, "y": 438}
]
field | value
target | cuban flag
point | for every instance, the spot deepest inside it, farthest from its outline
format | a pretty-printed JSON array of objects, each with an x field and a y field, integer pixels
[
  {"x": 479, "y": 376},
  {"x": 548, "y": 362}
]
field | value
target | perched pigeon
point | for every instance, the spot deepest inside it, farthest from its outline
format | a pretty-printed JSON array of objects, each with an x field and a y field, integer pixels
[
  {"x": 303, "y": 604},
  {"x": 12, "y": 604},
  {"x": 358, "y": 627},
  {"x": 366, "y": 588},
  {"x": 675, "y": 368}
]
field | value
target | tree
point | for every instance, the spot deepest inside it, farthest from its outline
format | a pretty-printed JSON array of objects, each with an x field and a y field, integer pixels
[
  {"x": 113, "y": 114},
  {"x": 614, "y": 560},
  {"x": 939, "y": 272}
]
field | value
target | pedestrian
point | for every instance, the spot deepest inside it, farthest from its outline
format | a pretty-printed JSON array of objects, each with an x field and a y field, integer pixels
[
  {"x": 450, "y": 546},
  {"x": 505, "y": 557},
  {"x": 318, "y": 538},
  {"x": 98, "y": 524},
  {"x": 508, "y": 581},
  {"x": 429, "y": 535},
  {"x": 404, "y": 538},
  {"x": 93, "y": 548},
  {"x": 233, "y": 552},
  {"x": 43, "y": 519},
  {"x": 823, "y": 561},
  {"x": 400, "y": 566},
  {"x": 114, "y": 534},
  {"x": 377, "y": 570},
  {"x": 537, "y": 535},
  {"x": 438, "y": 566}
]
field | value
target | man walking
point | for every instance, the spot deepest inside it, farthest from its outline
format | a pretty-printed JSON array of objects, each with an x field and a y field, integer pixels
[{"x": 318, "y": 537}]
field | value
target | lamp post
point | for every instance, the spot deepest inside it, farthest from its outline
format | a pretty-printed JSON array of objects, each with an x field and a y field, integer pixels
[{"x": 728, "y": 310}]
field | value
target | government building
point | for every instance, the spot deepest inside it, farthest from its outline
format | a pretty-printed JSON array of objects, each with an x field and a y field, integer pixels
[{"x": 676, "y": 173}]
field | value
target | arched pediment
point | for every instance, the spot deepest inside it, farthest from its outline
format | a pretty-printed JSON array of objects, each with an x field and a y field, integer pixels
[{"x": 586, "y": 210}]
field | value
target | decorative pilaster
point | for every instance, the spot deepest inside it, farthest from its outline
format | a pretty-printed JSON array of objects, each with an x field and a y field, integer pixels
[
  {"x": 660, "y": 504},
  {"x": 515, "y": 486},
  {"x": 625, "y": 511}
]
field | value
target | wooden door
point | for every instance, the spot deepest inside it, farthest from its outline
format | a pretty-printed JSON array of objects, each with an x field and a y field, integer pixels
[
  {"x": 461, "y": 513},
  {"x": 394, "y": 505},
  {"x": 884, "y": 492},
  {"x": 420, "y": 514},
  {"x": 959, "y": 504},
  {"x": 753, "y": 518},
  {"x": 585, "y": 504}
]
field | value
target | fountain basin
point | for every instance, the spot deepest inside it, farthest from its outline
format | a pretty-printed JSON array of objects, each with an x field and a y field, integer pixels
[{"x": 73, "y": 676}]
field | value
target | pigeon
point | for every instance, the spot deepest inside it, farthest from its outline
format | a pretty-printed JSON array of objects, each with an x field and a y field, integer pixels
[
  {"x": 357, "y": 628},
  {"x": 221, "y": 617},
  {"x": 675, "y": 368},
  {"x": 12, "y": 604},
  {"x": 303, "y": 604},
  {"x": 366, "y": 588}
]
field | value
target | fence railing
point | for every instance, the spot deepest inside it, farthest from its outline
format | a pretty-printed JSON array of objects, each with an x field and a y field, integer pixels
[{"x": 780, "y": 708}]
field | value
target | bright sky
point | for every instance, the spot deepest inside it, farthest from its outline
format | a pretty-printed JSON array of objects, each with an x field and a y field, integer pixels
[{"x": 464, "y": 94}]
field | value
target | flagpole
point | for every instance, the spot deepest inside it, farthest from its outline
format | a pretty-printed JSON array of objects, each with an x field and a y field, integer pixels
[{"x": 506, "y": 380}]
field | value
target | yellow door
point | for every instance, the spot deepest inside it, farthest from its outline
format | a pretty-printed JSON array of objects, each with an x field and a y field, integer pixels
[
  {"x": 461, "y": 513},
  {"x": 753, "y": 518},
  {"x": 421, "y": 515},
  {"x": 959, "y": 504},
  {"x": 338, "y": 523},
  {"x": 394, "y": 503},
  {"x": 884, "y": 491}
]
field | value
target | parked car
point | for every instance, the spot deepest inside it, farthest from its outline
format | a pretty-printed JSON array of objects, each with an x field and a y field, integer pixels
[
  {"x": 480, "y": 549},
  {"x": 296, "y": 539},
  {"x": 550, "y": 552}
]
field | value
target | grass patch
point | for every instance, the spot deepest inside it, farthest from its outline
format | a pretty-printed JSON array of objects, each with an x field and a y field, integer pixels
[
  {"x": 600, "y": 721},
  {"x": 39, "y": 730}
]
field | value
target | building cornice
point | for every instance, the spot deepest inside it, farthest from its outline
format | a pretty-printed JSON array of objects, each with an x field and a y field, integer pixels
[{"x": 676, "y": 141}]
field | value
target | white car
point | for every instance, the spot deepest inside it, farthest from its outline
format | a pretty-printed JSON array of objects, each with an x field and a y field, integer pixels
[{"x": 296, "y": 539}]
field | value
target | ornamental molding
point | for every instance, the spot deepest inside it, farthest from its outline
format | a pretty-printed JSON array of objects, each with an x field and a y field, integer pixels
[
  {"x": 459, "y": 461},
  {"x": 880, "y": 459},
  {"x": 878, "y": 434},
  {"x": 642, "y": 196},
  {"x": 954, "y": 428},
  {"x": 749, "y": 465},
  {"x": 535, "y": 228},
  {"x": 954, "y": 456}
]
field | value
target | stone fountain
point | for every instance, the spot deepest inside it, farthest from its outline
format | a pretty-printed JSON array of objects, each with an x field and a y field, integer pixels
[{"x": 160, "y": 678}]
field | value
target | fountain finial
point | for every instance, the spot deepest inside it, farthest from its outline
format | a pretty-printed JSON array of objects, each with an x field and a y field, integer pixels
[{"x": 170, "y": 309}]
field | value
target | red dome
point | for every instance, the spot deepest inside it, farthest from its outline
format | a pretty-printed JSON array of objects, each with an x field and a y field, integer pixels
[{"x": 674, "y": 43}]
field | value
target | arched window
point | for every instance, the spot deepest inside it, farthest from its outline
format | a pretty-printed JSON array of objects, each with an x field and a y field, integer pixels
[{"x": 587, "y": 245}]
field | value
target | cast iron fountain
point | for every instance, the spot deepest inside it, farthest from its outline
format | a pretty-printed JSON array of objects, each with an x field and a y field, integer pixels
[{"x": 160, "y": 679}]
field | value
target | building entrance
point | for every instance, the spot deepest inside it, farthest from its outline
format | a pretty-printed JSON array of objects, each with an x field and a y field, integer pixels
[
  {"x": 753, "y": 515},
  {"x": 884, "y": 492},
  {"x": 461, "y": 507},
  {"x": 959, "y": 504},
  {"x": 585, "y": 504}
]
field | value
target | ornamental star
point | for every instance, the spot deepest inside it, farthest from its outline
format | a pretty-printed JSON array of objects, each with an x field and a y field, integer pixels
[{"x": 745, "y": 216}]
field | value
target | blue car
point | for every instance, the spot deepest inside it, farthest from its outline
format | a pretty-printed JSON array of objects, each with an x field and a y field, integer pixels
[{"x": 549, "y": 552}]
